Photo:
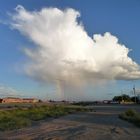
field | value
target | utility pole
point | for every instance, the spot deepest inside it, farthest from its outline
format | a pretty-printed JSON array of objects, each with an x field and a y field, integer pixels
[
  {"x": 122, "y": 95},
  {"x": 134, "y": 91}
]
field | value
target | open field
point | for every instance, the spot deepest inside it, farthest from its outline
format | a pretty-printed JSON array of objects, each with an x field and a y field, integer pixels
[
  {"x": 19, "y": 116},
  {"x": 101, "y": 124}
]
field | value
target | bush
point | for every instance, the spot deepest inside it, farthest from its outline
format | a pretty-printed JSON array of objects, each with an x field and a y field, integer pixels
[
  {"x": 9, "y": 121},
  {"x": 130, "y": 113},
  {"x": 131, "y": 116},
  {"x": 22, "y": 117}
]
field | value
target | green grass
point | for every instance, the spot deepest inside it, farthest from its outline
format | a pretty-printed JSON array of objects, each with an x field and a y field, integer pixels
[
  {"x": 23, "y": 117},
  {"x": 131, "y": 116}
]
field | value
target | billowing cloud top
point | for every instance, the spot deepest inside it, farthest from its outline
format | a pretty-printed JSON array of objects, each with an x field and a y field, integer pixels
[{"x": 64, "y": 51}]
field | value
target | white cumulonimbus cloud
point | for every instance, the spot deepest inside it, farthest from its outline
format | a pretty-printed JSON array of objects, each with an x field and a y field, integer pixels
[{"x": 65, "y": 52}]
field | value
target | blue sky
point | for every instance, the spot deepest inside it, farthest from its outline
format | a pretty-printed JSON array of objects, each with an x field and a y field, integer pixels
[{"x": 120, "y": 18}]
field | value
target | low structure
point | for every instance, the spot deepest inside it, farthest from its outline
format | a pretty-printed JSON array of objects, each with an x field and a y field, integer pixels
[
  {"x": 1, "y": 100},
  {"x": 107, "y": 101},
  {"x": 11, "y": 100},
  {"x": 19, "y": 100},
  {"x": 30, "y": 100}
]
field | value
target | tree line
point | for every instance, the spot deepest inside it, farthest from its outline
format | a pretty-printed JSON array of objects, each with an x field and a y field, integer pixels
[{"x": 125, "y": 98}]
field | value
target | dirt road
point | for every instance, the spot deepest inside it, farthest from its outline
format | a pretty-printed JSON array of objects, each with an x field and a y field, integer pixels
[{"x": 103, "y": 124}]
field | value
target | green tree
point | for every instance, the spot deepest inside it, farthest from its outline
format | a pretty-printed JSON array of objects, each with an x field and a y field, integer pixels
[{"x": 123, "y": 97}]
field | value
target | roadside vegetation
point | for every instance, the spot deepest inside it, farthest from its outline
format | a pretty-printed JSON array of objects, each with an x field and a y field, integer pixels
[
  {"x": 131, "y": 116},
  {"x": 23, "y": 117},
  {"x": 126, "y": 98}
]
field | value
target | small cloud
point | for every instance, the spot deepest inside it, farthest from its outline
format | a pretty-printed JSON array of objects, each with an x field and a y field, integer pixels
[{"x": 8, "y": 91}]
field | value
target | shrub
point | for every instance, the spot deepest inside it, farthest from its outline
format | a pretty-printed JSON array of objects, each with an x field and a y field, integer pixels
[
  {"x": 22, "y": 117},
  {"x": 131, "y": 116}
]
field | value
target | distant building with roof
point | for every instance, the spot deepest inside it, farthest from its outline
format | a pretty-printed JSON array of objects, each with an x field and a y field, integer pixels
[
  {"x": 30, "y": 100},
  {"x": 19, "y": 100}
]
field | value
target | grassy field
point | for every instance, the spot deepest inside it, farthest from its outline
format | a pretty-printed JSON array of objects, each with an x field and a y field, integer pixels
[
  {"x": 131, "y": 116},
  {"x": 15, "y": 118}
]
